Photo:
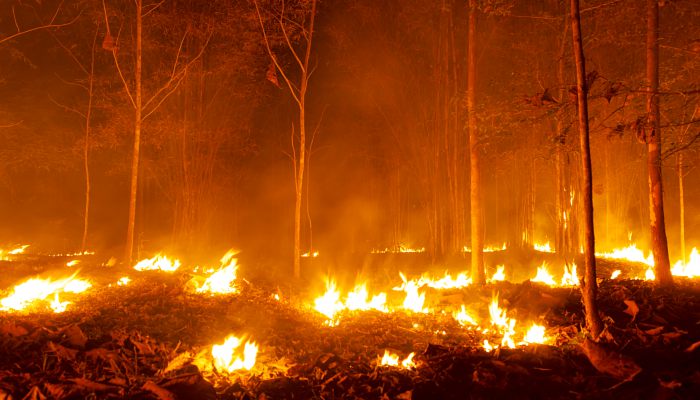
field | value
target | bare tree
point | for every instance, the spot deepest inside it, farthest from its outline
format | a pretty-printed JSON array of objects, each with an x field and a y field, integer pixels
[
  {"x": 589, "y": 286},
  {"x": 89, "y": 86},
  {"x": 143, "y": 109},
  {"x": 659, "y": 242},
  {"x": 298, "y": 90}
]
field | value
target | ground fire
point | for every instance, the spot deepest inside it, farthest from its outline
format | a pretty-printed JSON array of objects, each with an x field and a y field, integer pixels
[{"x": 305, "y": 199}]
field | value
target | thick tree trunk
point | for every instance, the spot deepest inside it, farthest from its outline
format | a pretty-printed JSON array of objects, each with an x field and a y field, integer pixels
[
  {"x": 659, "y": 243},
  {"x": 477, "y": 212},
  {"x": 128, "y": 251},
  {"x": 589, "y": 286}
]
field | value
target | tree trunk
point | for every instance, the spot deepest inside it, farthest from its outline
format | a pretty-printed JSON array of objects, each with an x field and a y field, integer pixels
[
  {"x": 589, "y": 286},
  {"x": 681, "y": 200},
  {"x": 301, "y": 159},
  {"x": 659, "y": 243},
  {"x": 128, "y": 252},
  {"x": 86, "y": 147},
  {"x": 477, "y": 212}
]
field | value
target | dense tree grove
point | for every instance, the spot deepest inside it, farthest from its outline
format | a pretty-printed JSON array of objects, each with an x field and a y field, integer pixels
[{"x": 447, "y": 125}]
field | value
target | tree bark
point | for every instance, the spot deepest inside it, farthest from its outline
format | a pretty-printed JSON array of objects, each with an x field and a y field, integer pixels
[
  {"x": 589, "y": 286},
  {"x": 477, "y": 212},
  {"x": 86, "y": 147},
  {"x": 129, "y": 248},
  {"x": 681, "y": 200},
  {"x": 659, "y": 242}
]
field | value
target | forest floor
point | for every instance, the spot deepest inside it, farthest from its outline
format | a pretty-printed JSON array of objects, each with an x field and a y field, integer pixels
[{"x": 141, "y": 341}]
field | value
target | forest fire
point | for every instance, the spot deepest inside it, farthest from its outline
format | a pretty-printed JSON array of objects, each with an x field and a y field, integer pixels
[
  {"x": 476, "y": 199},
  {"x": 5, "y": 255},
  {"x": 234, "y": 354},
  {"x": 158, "y": 263},
  {"x": 392, "y": 360},
  {"x": 33, "y": 291}
]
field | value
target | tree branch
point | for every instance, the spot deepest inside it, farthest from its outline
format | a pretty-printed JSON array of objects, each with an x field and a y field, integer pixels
[
  {"x": 292, "y": 89},
  {"x": 51, "y": 24}
]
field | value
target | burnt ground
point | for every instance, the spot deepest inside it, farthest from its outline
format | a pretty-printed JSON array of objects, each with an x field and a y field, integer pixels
[{"x": 139, "y": 340}]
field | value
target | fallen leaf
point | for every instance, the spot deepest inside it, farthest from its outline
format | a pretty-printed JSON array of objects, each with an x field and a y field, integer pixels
[
  {"x": 178, "y": 362},
  {"x": 90, "y": 385},
  {"x": 161, "y": 394},
  {"x": 632, "y": 308},
  {"x": 407, "y": 395},
  {"x": 610, "y": 362},
  {"x": 75, "y": 336},
  {"x": 692, "y": 347},
  {"x": 12, "y": 329},
  {"x": 62, "y": 352},
  {"x": 654, "y": 331}
]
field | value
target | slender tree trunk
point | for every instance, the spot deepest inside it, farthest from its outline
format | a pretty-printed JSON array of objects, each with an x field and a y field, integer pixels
[
  {"x": 681, "y": 200},
  {"x": 659, "y": 242},
  {"x": 128, "y": 252},
  {"x": 86, "y": 147},
  {"x": 589, "y": 286},
  {"x": 304, "y": 83},
  {"x": 477, "y": 212}
]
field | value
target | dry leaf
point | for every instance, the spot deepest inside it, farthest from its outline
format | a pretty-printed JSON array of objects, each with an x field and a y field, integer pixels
[
  {"x": 75, "y": 336},
  {"x": 692, "y": 347},
  {"x": 654, "y": 331},
  {"x": 161, "y": 394},
  {"x": 90, "y": 385},
  {"x": 632, "y": 308},
  {"x": 63, "y": 353},
  {"x": 12, "y": 329}
]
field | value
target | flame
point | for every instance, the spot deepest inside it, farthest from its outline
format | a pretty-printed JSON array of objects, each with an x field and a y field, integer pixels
[
  {"x": 329, "y": 304},
  {"x": 5, "y": 254},
  {"x": 228, "y": 359},
  {"x": 123, "y": 281},
  {"x": 157, "y": 263},
  {"x": 536, "y": 334},
  {"x": 629, "y": 253},
  {"x": 615, "y": 274},
  {"x": 57, "y": 305},
  {"x": 72, "y": 263},
  {"x": 357, "y": 300},
  {"x": 570, "y": 277},
  {"x": 392, "y": 360},
  {"x": 310, "y": 254},
  {"x": 543, "y": 247},
  {"x": 464, "y": 318},
  {"x": 487, "y": 346},
  {"x": 222, "y": 281},
  {"x": 414, "y": 300},
  {"x": 446, "y": 282},
  {"x": 690, "y": 269},
  {"x": 543, "y": 276},
  {"x": 401, "y": 248},
  {"x": 487, "y": 249},
  {"x": 499, "y": 275},
  {"x": 36, "y": 289},
  {"x": 649, "y": 274},
  {"x": 500, "y": 320}
]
